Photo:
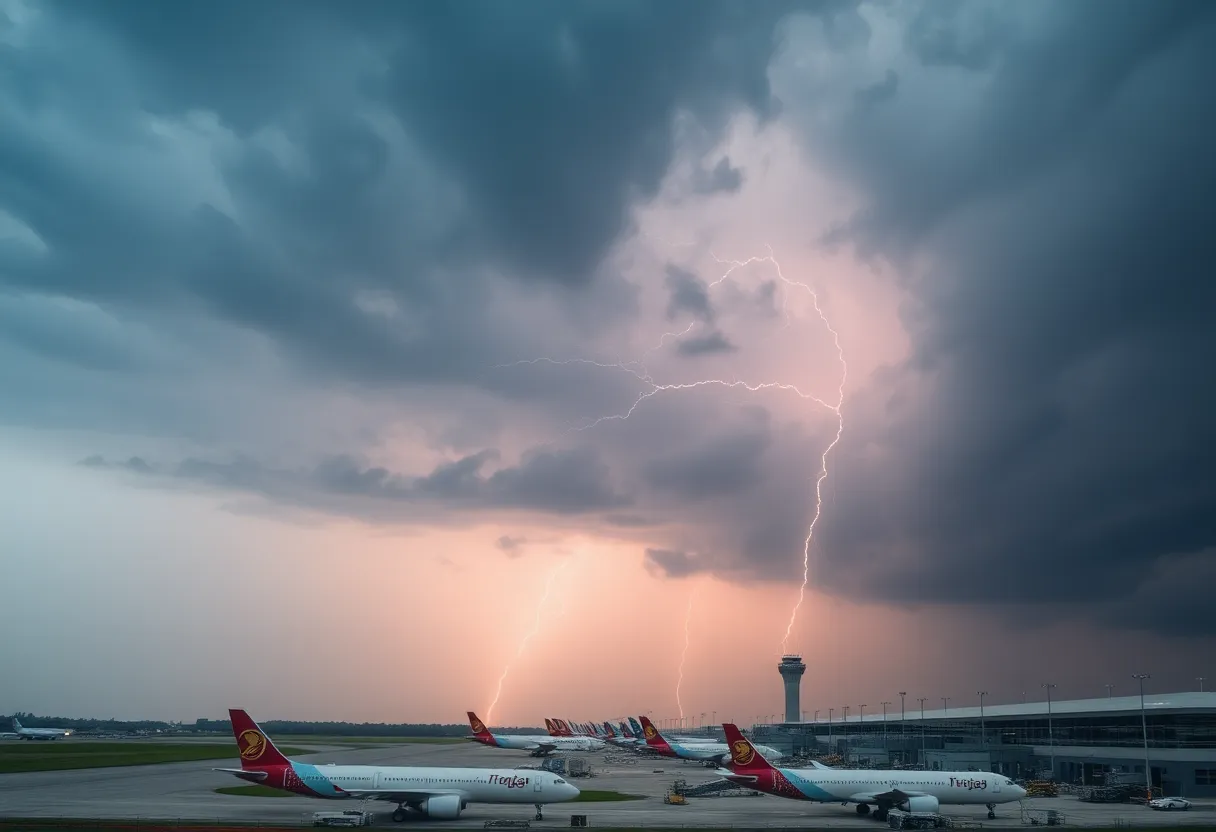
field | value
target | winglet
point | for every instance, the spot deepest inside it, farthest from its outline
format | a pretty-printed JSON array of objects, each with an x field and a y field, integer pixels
[
  {"x": 257, "y": 751},
  {"x": 744, "y": 758}
]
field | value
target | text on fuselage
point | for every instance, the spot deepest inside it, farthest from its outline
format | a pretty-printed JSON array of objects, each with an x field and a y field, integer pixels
[
  {"x": 515, "y": 782},
  {"x": 969, "y": 783}
]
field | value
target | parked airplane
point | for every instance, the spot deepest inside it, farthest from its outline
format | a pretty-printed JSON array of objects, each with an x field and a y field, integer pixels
[
  {"x": 38, "y": 733},
  {"x": 885, "y": 789},
  {"x": 683, "y": 739},
  {"x": 539, "y": 746},
  {"x": 439, "y": 793},
  {"x": 708, "y": 750}
]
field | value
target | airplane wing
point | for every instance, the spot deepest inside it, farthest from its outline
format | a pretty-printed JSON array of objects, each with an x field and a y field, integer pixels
[
  {"x": 893, "y": 796},
  {"x": 400, "y": 795},
  {"x": 251, "y": 776},
  {"x": 546, "y": 747}
]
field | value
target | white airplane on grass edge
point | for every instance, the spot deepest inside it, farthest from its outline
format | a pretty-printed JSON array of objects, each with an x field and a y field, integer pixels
[{"x": 24, "y": 733}]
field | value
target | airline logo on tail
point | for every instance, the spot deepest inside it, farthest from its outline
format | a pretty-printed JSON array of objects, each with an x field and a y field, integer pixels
[
  {"x": 741, "y": 752},
  {"x": 251, "y": 744},
  {"x": 650, "y": 732},
  {"x": 478, "y": 725}
]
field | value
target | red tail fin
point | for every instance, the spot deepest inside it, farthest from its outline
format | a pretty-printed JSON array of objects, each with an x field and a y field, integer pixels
[
  {"x": 743, "y": 755},
  {"x": 257, "y": 751},
  {"x": 479, "y": 727},
  {"x": 653, "y": 738}
]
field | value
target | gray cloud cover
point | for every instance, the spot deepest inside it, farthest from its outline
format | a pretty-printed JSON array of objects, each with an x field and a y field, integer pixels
[
  {"x": 1055, "y": 415},
  {"x": 383, "y": 201}
]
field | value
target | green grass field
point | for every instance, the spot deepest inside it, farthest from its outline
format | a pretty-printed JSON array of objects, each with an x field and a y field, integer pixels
[
  {"x": 65, "y": 754},
  {"x": 254, "y": 791},
  {"x": 593, "y": 796}
]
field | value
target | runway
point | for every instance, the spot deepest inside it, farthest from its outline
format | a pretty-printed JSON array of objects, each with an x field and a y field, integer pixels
[{"x": 186, "y": 791}]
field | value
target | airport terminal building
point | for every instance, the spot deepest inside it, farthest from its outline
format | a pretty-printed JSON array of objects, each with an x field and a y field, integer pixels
[{"x": 1081, "y": 741}]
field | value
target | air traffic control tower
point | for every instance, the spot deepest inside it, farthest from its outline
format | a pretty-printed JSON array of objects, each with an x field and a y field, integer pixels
[{"x": 791, "y": 670}]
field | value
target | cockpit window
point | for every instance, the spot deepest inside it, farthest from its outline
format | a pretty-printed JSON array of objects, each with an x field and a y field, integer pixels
[{"x": 559, "y": 780}]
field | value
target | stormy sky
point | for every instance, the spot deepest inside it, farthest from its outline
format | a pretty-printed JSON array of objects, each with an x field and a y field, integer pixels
[{"x": 331, "y": 334}]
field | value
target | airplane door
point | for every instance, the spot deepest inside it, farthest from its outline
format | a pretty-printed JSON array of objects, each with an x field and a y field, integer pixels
[
  {"x": 376, "y": 780},
  {"x": 537, "y": 787},
  {"x": 996, "y": 786}
]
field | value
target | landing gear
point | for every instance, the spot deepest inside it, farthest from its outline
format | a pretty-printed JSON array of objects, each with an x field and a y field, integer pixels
[
  {"x": 539, "y": 814},
  {"x": 880, "y": 815},
  {"x": 991, "y": 811},
  {"x": 863, "y": 809},
  {"x": 399, "y": 814}
]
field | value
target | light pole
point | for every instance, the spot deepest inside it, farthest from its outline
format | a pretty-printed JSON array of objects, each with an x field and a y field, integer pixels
[
  {"x": 924, "y": 757},
  {"x": 884, "y": 731},
  {"x": 861, "y": 717},
  {"x": 903, "y": 728},
  {"x": 830, "y": 746},
  {"x": 945, "y": 699},
  {"x": 1199, "y": 679},
  {"x": 1108, "y": 690},
  {"x": 1148, "y": 771},
  {"x": 1051, "y": 742},
  {"x": 983, "y": 735}
]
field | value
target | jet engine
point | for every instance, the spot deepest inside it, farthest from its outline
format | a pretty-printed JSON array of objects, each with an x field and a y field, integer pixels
[
  {"x": 923, "y": 803},
  {"x": 442, "y": 807}
]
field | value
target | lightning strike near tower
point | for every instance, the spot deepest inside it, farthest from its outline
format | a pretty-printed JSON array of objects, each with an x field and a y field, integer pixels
[
  {"x": 684, "y": 654},
  {"x": 837, "y": 409},
  {"x": 540, "y": 606},
  {"x": 639, "y": 370}
]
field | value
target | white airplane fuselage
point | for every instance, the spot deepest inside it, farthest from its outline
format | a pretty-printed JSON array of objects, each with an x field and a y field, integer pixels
[
  {"x": 38, "y": 733},
  {"x": 533, "y": 743},
  {"x": 715, "y": 751},
  {"x": 954, "y": 788}
]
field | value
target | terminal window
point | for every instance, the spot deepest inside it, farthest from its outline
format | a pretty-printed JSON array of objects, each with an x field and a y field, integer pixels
[{"x": 1205, "y": 777}]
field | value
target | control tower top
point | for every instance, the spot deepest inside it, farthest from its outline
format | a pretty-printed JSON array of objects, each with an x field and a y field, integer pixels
[{"x": 791, "y": 665}]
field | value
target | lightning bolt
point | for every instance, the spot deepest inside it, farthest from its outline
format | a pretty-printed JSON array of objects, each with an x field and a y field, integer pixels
[
  {"x": 638, "y": 369},
  {"x": 837, "y": 409},
  {"x": 527, "y": 637},
  {"x": 684, "y": 655}
]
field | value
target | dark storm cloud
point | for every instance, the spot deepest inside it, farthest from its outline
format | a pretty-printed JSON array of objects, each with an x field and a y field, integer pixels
[
  {"x": 709, "y": 344},
  {"x": 1051, "y": 438},
  {"x": 512, "y": 546},
  {"x": 724, "y": 178},
  {"x": 405, "y": 151},
  {"x": 671, "y": 563},
  {"x": 562, "y": 482},
  {"x": 688, "y": 294},
  {"x": 878, "y": 92},
  {"x": 720, "y": 466}
]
